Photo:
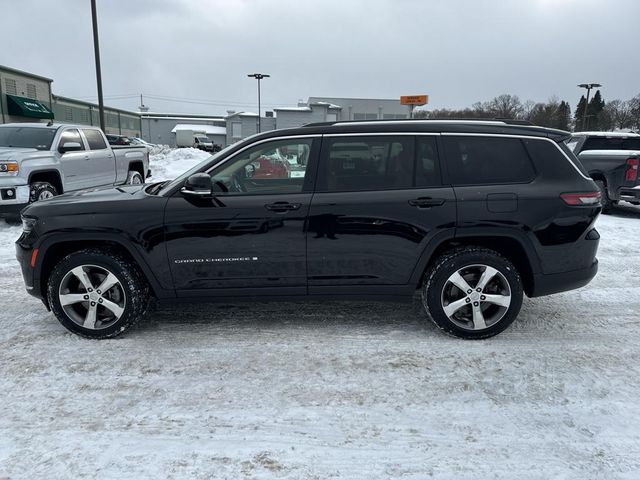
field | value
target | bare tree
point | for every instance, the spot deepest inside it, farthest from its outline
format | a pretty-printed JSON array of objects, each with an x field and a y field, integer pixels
[{"x": 505, "y": 106}]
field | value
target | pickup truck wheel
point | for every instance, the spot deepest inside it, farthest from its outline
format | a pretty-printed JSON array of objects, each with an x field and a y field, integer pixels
[
  {"x": 604, "y": 197},
  {"x": 97, "y": 293},
  {"x": 134, "y": 178},
  {"x": 41, "y": 191},
  {"x": 472, "y": 293}
]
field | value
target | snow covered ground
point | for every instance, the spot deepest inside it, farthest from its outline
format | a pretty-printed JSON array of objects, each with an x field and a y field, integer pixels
[{"x": 329, "y": 390}]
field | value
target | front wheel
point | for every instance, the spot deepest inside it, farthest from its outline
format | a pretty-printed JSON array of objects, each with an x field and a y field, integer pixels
[
  {"x": 97, "y": 293},
  {"x": 41, "y": 191},
  {"x": 472, "y": 293}
]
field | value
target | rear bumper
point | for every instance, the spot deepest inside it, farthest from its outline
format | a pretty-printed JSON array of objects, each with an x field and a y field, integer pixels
[
  {"x": 629, "y": 194},
  {"x": 561, "y": 282}
]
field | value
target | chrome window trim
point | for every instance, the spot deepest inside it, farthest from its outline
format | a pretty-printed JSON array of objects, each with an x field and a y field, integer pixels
[{"x": 383, "y": 134}]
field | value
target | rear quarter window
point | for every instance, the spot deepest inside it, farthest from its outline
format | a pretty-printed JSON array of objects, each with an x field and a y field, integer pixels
[
  {"x": 554, "y": 160},
  {"x": 483, "y": 160}
]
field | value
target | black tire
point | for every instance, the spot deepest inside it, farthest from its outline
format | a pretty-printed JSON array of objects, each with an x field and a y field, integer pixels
[
  {"x": 132, "y": 291},
  {"x": 437, "y": 278},
  {"x": 41, "y": 190},
  {"x": 604, "y": 196},
  {"x": 134, "y": 178}
]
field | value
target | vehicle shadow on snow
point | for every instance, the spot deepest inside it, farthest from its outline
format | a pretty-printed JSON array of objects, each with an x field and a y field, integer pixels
[{"x": 353, "y": 315}]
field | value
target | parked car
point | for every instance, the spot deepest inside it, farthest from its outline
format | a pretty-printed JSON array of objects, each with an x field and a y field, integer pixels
[
  {"x": 39, "y": 161},
  {"x": 611, "y": 159},
  {"x": 473, "y": 215},
  {"x": 202, "y": 142},
  {"x": 118, "y": 140}
]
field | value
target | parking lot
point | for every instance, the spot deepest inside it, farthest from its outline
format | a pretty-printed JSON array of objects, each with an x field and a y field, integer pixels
[{"x": 321, "y": 390}]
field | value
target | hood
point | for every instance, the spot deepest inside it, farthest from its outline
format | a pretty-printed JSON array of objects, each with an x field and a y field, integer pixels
[
  {"x": 103, "y": 199},
  {"x": 8, "y": 152}
]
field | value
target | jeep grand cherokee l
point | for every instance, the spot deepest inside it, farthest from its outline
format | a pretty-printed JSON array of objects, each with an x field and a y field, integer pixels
[{"x": 472, "y": 214}]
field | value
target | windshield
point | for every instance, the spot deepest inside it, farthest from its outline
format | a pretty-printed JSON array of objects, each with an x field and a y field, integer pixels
[
  {"x": 215, "y": 158},
  {"x": 27, "y": 137},
  {"x": 202, "y": 139}
]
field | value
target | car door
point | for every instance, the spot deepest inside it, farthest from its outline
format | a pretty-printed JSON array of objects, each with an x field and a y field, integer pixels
[
  {"x": 101, "y": 158},
  {"x": 75, "y": 164},
  {"x": 249, "y": 239},
  {"x": 379, "y": 201}
]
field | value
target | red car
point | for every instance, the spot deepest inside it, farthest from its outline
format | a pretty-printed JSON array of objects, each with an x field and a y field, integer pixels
[{"x": 271, "y": 167}]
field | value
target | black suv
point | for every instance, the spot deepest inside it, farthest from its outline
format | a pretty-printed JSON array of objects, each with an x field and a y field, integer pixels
[{"x": 471, "y": 213}]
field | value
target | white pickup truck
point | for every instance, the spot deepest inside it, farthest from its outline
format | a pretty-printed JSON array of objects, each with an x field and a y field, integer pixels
[{"x": 38, "y": 161}]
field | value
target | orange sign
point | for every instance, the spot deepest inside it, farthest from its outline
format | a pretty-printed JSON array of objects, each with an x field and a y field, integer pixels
[{"x": 414, "y": 99}]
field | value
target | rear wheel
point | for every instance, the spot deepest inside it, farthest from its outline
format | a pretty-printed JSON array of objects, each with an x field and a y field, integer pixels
[
  {"x": 472, "y": 293},
  {"x": 604, "y": 196},
  {"x": 97, "y": 293},
  {"x": 41, "y": 191},
  {"x": 134, "y": 178}
]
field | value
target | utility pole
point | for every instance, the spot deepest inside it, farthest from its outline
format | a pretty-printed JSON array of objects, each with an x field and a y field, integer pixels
[
  {"x": 96, "y": 49},
  {"x": 259, "y": 76},
  {"x": 588, "y": 86}
]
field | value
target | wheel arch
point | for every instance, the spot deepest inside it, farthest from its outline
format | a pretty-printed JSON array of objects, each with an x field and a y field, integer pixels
[
  {"x": 50, "y": 176},
  {"x": 137, "y": 166},
  {"x": 517, "y": 250},
  {"x": 54, "y": 249}
]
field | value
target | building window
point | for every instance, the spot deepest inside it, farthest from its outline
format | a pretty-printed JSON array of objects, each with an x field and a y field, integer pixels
[
  {"x": 84, "y": 116},
  {"x": 236, "y": 130},
  {"x": 365, "y": 116},
  {"x": 10, "y": 86},
  {"x": 31, "y": 91},
  {"x": 68, "y": 114},
  {"x": 332, "y": 117}
]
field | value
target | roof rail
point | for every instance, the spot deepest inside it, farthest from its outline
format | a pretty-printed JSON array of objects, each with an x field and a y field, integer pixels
[{"x": 506, "y": 121}]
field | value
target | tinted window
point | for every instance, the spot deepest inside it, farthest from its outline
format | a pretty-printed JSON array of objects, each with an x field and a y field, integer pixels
[
  {"x": 367, "y": 163},
  {"x": 612, "y": 143},
  {"x": 71, "y": 136},
  {"x": 427, "y": 171},
  {"x": 551, "y": 160},
  {"x": 273, "y": 167},
  {"x": 94, "y": 139},
  {"x": 27, "y": 137},
  {"x": 486, "y": 160}
]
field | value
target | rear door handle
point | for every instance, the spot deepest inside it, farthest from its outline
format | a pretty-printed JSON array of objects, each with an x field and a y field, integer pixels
[
  {"x": 282, "y": 207},
  {"x": 426, "y": 202}
]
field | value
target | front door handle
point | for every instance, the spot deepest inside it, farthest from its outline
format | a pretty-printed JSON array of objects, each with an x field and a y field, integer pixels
[
  {"x": 426, "y": 202},
  {"x": 282, "y": 207},
  {"x": 86, "y": 157}
]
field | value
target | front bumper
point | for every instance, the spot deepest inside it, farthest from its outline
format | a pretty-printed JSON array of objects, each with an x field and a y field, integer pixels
[{"x": 13, "y": 199}]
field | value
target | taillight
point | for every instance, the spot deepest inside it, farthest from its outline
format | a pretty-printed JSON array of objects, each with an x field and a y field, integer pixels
[
  {"x": 631, "y": 174},
  {"x": 586, "y": 198}
]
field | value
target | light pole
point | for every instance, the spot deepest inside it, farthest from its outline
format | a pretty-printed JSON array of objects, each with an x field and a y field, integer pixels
[
  {"x": 96, "y": 51},
  {"x": 258, "y": 76},
  {"x": 588, "y": 86}
]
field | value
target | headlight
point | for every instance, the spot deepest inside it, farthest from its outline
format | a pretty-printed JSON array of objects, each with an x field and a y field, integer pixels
[
  {"x": 9, "y": 168},
  {"x": 28, "y": 223}
]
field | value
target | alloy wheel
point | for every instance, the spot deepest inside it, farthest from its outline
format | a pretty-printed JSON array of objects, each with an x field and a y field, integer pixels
[{"x": 476, "y": 297}]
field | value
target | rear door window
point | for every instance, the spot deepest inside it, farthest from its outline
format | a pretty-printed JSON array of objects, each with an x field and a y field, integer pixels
[
  {"x": 94, "y": 139},
  {"x": 479, "y": 160},
  {"x": 352, "y": 163}
]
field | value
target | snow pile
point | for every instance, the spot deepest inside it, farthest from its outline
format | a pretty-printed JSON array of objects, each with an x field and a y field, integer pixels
[{"x": 168, "y": 163}]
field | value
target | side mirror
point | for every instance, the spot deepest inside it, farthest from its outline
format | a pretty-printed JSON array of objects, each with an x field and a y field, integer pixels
[
  {"x": 198, "y": 185},
  {"x": 70, "y": 147}
]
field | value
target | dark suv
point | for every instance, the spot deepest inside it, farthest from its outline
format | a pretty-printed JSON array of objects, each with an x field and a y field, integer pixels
[{"x": 470, "y": 213}]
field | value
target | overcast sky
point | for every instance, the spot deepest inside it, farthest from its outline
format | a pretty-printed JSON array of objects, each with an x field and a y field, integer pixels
[{"x": 457, "y": 51}]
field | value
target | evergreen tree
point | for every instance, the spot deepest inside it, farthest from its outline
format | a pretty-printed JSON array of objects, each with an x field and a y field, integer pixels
[
  {"x": 579, "y": 115},
  {"x": 594, "y": 112},
  {"x": 563, "y": 116}
]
